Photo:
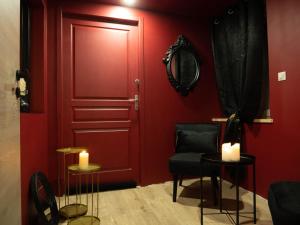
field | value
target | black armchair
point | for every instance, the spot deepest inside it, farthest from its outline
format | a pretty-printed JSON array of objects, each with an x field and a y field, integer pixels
[
  {"x": 192, "y": 141},
  {"x": 284, "y": 202}
]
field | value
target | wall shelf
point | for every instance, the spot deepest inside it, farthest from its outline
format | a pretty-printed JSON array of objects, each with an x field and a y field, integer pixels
[{"x": 261, "y": 120}]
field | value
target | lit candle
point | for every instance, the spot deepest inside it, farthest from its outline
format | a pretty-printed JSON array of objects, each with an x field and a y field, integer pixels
[
  {"x": 83, "y": 160},
  {"x": 236, "y": 152},
  {"x": 231, "y": 152},
  {"x": 226, "y": 150}
]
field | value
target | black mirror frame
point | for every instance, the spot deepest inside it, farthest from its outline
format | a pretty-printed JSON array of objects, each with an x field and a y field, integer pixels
[
  {"x": 181, "y": 43},
  {"x": 39, "y": 208}
]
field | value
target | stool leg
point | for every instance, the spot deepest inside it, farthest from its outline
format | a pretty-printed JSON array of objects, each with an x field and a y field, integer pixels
[
  {"x": 175, "y": 181},
  {"x": 98, "y": 195},
  {"x": 92, "y": 194},
  {"x": 180, "y": 181}
]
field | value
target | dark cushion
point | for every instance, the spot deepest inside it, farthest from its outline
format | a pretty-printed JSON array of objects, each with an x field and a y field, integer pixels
[
  {"x": 190, "y": 163},
  {"x": 193, "y": 141},
  {"x": 199, "y": 127},
  {"x": 284, "y": 203}
]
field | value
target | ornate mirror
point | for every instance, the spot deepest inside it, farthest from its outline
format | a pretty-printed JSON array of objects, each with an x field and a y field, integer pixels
[{"x": 183, "y": 66}]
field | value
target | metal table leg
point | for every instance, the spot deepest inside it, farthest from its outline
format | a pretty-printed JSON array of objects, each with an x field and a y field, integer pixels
[
  {"x": 254, "y": 193},
  {"x": 201, "y": 193},
  {"x": 220, "y": 190},
  {"x": 201, "y": 202},
  {"x": 237, "y": 193}
]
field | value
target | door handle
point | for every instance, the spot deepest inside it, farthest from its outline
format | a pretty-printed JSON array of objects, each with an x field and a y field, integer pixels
[{"x": 136, "y": 102}]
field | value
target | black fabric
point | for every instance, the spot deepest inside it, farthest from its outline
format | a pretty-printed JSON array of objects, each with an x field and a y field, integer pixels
[
  {"x": 233, "y": 130},
  {"x": 240, "y": 57},
  {"x": 190, "y": 163},
  {"x": 193, "y": 141},
  {"x": 284, "y": 203}
]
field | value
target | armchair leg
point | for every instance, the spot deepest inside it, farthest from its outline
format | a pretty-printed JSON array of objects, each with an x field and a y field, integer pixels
[
  {"x": 175, "y": 181},
  {"x": 180, "y": 181},
  {"x": 215, "y": 188}
]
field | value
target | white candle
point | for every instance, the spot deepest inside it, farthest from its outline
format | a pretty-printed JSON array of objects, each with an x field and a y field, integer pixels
[
  {"x": 226, "y": 150},
  {"x": 231, "y": 152},
  {"x": 236, "y": 152},
  {"x": 83, "y": 160}
]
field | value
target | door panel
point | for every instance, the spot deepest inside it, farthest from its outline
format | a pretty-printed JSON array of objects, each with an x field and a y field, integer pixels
[
  {"x": 96, "y": 114},
  {"x": 10, "y": 191},
  {"x": 97, "y": 50},
  {"x": 106, "y": 139},
  {"x": 99, "y": 66}
]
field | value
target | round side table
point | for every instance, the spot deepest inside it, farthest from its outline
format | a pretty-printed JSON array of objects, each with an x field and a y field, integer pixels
[
  {"x": 85, "y": 177},
  {"x": 68, "y": 210},
  {"x": 245, "y": 160}
]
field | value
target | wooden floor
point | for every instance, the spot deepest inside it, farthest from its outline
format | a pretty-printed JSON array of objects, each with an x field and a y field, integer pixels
[{"x": 152, "y": 205}]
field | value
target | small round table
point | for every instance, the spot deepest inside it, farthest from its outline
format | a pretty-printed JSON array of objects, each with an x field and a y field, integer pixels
[
  {"x": 91, "y": 170},
  {"x": 245, "y": 160},
  {"x": 68, "y": 210}
]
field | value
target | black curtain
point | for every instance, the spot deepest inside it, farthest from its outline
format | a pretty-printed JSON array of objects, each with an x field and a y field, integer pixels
[{"x": 240, "y": 56}]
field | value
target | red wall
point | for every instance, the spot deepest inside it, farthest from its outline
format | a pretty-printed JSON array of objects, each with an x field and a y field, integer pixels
[
  {"x": 34, "y": 150},
  {"x": 163, "y": 106},
  {"x": 276, "y": 145}
]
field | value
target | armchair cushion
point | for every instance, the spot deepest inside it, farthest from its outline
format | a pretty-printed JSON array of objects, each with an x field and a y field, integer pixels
[
  {"x": 190, "y": 163},
  {"x": 194, "y": 141}
]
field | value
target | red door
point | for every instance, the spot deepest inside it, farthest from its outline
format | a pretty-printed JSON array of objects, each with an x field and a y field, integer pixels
[{"x": 99, "y": 80}]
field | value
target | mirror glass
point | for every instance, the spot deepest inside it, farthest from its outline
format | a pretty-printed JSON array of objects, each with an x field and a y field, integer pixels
[{"x": 182, "y": 65}]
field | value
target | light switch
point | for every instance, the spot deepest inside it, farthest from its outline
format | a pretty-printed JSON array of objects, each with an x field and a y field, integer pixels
[{"x": 282, "y": 76}]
